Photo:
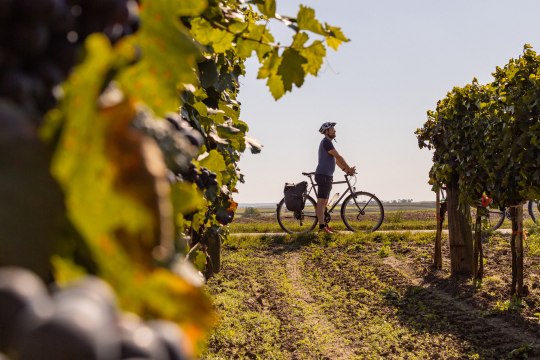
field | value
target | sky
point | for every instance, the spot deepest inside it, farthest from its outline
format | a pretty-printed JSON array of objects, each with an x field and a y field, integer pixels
[{"x": 404, "y": 56}]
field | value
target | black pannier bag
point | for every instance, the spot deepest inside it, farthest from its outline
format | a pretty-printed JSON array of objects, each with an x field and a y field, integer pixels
[{"x": 294, "y": 195}]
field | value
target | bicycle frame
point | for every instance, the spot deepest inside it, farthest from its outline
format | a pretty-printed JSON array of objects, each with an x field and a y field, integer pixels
[{"x": 350, "y": 189}]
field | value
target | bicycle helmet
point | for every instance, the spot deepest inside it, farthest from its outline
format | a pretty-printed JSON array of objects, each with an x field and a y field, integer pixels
[{"x": 326, "y": 126}]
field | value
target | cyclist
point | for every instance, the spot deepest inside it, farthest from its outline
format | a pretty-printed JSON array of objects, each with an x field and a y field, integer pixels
[{"x": 328, "y": 158}]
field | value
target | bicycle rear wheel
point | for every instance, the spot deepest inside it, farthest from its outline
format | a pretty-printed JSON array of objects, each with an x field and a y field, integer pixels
[
  {"x": 362, "y": 211},
  {"x": 534, "y": 210},
  {"x": 492, "y": 218},
  {"x": 297, "y": 222}
]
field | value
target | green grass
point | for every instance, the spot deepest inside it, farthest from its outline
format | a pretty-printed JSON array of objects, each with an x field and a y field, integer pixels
[{"x": 399, "y": 218}]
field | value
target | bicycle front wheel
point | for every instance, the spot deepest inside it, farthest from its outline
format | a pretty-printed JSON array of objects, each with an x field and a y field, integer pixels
[
  {"x": 362, "y": 211},
  {"x": 297, "y": 222},
  {"x": 492, "y": 218},
  {"x": 534, "y": 210}
]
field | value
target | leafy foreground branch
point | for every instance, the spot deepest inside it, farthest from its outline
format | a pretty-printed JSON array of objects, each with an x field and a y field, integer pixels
[{"x": 121, "y": 135}]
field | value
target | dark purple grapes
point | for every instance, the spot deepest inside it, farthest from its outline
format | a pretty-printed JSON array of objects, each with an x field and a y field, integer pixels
[
  {"x": 41, "y": 40},
  {"x": 172, "y": 337},
  {"x": 140, "y": 341},
  {"x": 6, "y": 7},
  {"x": 36, "y": 10},
  {"x": 224, "y": 216},
  {"x": 24, "y": 304},
  {"x": 206, "y": 179}
]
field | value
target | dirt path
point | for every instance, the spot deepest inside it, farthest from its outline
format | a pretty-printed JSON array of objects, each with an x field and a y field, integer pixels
[{"x": 332, "y": 343}]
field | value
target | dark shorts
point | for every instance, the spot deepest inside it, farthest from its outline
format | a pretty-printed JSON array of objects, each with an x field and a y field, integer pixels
[{"x": 324, "y": 183}]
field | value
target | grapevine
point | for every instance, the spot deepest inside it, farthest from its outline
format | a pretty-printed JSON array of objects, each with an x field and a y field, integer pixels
[
  {"x": 485, "y": 143},
  {"x": 126, "y": 125}
]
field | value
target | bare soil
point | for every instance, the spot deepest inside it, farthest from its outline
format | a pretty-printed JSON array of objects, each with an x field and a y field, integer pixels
[{"x": 368, "y": 297}]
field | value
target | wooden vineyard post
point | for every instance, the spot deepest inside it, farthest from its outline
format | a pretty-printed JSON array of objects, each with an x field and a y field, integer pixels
[
  {"x": 459, "y": 235},
  {"x": 440, "y": 209},
  {"x": 516, "y": 243},
  {"x": 478, "y": 255}
]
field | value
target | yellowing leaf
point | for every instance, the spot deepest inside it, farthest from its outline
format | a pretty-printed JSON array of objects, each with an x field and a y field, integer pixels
[
  {"x": 291, "y": 69},
  {"x": 335, "y": 37},
  {"x": 238, "y": 27},
  {"x": 306, "y": 20},
  {"x": 245, "y": 47},
  {"x": 214, "y": 162},
  {"x": 299, "y": 40},
  {"x": 267, "y": 7},
  {"x": 189, "y": 7},
  {"x": 275, "y": 84},
  {"x": 220, "y": 40},
  {"x": 270, "y": 65},
  {"x": 155, "y": 79},
  {"x": 314, "y": 54},
  {"x": 186, "y": 198}
]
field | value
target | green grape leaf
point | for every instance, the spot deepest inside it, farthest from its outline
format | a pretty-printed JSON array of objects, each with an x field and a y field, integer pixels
[
  {"x": 208, "y": 72},
  {"x": 186, "y": 198},
  {"x": 214, "y": 162},
  {"x": 201, "y": 108},
  {"x": 118, "y": 197},
  {"x": 291, "y": 69},
  {"x": 270, "y": 65},
  {"x": 155, "y": 79},
  {"x": 267, "y": 7},
  {"x": 314, "y": 54},
  {"x": 188, "y": 7},
  {"x": 306, "y": 21},
  {"x": 299, "y": 39},
  {"x": 245, "y": 47},
  {"x": 253, "y": 145},
  {"x": 275, "y": 84},
  {"x": 229, "y": 131},
  {"x": 336, "y": 37},
  {"x": 228, "y": 110},
  {"x": 220, "y": 40},
  {"x": 238, "y": 27},
  {"x": 336, "y": 32},
  {"x": 263, "y": 37}
]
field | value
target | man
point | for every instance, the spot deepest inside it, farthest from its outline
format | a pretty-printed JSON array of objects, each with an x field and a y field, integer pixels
[{"x": 328, "y": 158}]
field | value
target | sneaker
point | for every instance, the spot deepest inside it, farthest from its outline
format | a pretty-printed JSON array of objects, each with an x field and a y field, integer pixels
[{"x": 327, "y": 230}]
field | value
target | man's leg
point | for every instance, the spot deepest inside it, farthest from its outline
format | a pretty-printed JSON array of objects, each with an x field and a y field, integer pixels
[
  {"x": 321, "y": 206},
  {"x": 325, "y": 186}
]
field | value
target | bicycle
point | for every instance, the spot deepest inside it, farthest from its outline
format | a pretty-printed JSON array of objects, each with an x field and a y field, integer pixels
[
  {"x": 493, "y": 218},
  {"x": 498, "y": 216},
  {"x": 360, "y": 210}
]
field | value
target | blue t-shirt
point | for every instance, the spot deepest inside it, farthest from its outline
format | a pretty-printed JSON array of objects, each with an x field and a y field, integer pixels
[{"x": 327, "y": 163}]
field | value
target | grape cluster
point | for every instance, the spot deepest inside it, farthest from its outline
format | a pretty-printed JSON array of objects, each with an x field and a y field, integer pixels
[
  {"x": 80, "y": 321},
  {"x": 206, "y": 179},
  {"x": 224, "y": 216},
  {"x": 40, "y": 41},
  {"x": 178, "y": 141}
]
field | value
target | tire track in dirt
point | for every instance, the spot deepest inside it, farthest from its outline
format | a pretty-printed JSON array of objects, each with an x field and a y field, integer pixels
[
  {"x": 332, "y": 344},
  {"x": 491, "y": 332}
]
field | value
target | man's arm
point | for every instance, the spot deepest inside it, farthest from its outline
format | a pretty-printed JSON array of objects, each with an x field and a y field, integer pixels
[{"x": 340, "y": 161}]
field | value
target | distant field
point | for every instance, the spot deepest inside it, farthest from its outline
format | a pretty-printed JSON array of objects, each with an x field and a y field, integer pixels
[
  {"x": 400, "y": 216},
  {"x": 422, "y": 205}
]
